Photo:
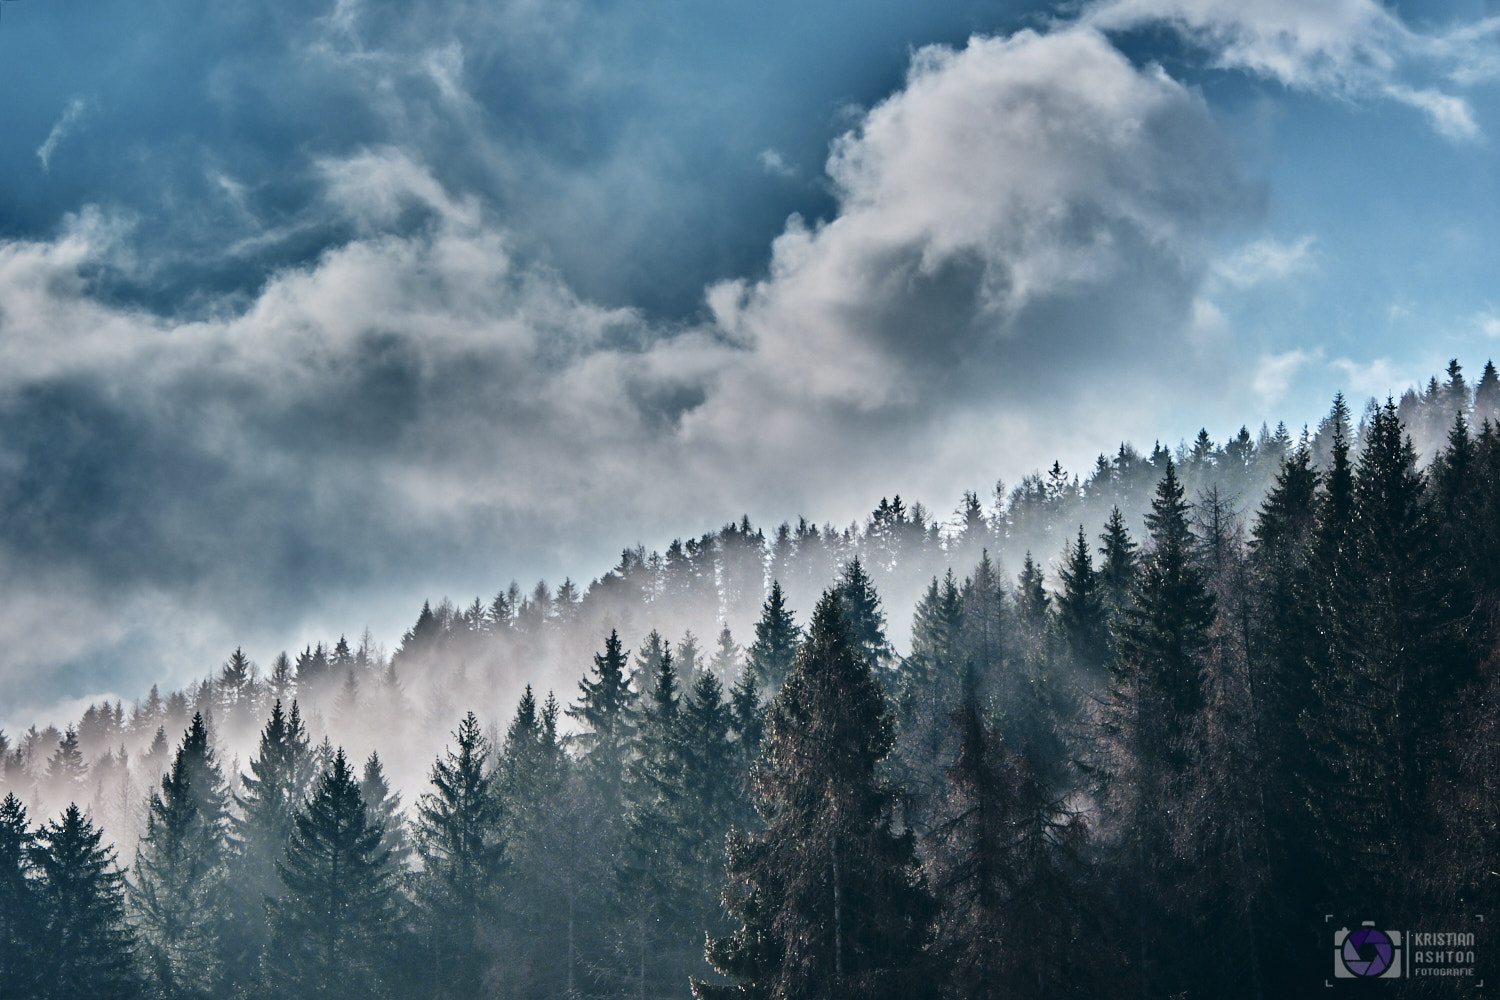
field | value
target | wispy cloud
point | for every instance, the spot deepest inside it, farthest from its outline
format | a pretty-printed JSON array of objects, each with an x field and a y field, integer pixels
[
  {"x": 1266, "y": 259},
  {"x": 1273, "y": 374},
  {"x": 771, "y": 161},
  {"x": 71, "y": 116},
  {"x": 1346, "y": 48}
]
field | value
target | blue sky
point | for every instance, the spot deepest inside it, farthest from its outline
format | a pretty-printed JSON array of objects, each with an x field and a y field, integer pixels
[{"x": 309, "y": 311}]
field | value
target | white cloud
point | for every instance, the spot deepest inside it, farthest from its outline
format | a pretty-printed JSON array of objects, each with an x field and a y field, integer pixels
[
  {"x": 1345, "y": 48},
  {"x": 64, "y": 126},
  {"x": 1378, "y": 378},
  {"x": 1020, "y": 234},
  {"x": 1266, "y": 259},
  {"x": 1488, "y": 323},
  {"x": 1274, "y": 373},
  {"x": 772, "y": 163}
]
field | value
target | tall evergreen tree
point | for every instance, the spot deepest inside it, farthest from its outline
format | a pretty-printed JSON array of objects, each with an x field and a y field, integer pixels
[
  {"x": 827, "y": 895},
  {"x": 1005, "y": 864},
  {"x": 180, "y": 870},
  {"x": 864, "y": 614},
  {"x": 1118, "y": 563},
  {"x": 606, "y": 708},
  {"x": 770, "y": 657},
  {"x": 87, "y": 947},
  {"x": 334, "y": 927},
  {"x": 21, "y": 943},
  {"x": 1155, "y": 699},
  {"x": 1082, "y": 614},
  {"x": 280, "y": 777},
  {"x": 459, "y": 839}
]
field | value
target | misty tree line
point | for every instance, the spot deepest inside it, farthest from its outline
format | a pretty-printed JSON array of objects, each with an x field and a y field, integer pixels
[{"x": 1151, "y": 774}]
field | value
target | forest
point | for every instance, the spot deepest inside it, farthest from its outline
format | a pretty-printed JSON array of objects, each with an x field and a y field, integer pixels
[{"x": 1128, "y": 732}]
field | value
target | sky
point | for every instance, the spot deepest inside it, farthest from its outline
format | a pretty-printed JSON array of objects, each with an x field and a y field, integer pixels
[{"x": 310, "y": 311}]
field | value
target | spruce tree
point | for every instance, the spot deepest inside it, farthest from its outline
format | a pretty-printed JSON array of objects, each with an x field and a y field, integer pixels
[
  {"x": 863, "y": 612},
  {"x": 929, "y": 683},
  {"x": 1284, "y": 639},
  {"x": 1117, "y": 564},
  {"x": 21, "y": 943},
  {"x": 1152, "y": 716},
  {"x": 87, "y": 947},
  {"x": 180, "y": 870},
  {"x": 655, "y": 863},
  {"x": 985, "y": 620},
  {"x": 827, "y": 896},
  {"x": 459, "y": 840},
  {"x": 770, "y": 657},
  {"x": 334, "y": 927},
  {"x": 280, "y": 776},
  {"x": 1005, "y": 864},
  {"x": 606, "y": 707},
  {"x": 1082, "y": 614},
  {"x": 384, "y": 806}
]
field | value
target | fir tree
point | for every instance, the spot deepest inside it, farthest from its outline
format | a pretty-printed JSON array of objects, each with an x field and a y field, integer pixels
[
  {"x": 333, "y": 926},
  {"x": 1117, "y": 564},
  {"x": 21, "y": 943},
  {"x": 606, "y": 707},
  {"x": 280, "y": 777},
  {"x": 863, "y": 612},
  {"x": 384, "y": 806},
  {"x": 88, "y": 950},
  {"x": 827, "y": 895},
  {"x": 770, "y": 657},
  {"x": 1082, "y": 614},
  {"x": 1005, "y": 864},
  {"x": 179, "y": 890},
  {"x": 458, "y": 837},
  {"x": 1153, "y": 710}
]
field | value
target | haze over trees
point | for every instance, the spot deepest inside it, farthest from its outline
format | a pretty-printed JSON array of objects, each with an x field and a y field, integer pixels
[{"x": 1109, "y": 735}]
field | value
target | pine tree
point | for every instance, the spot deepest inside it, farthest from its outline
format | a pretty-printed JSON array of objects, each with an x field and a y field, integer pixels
[
  {"x": 1082, "y": 614},
  {"x": 280, "y": 777},
  {"x": 1283, "y": 641},
  {"x": 770, "y": 657},
  {"x": 179, "y": 890},
  {"x": 1487, "y": 396},
  {"x": 827, "y": 895},
  {"x": 863, "y": 612},
  {"x": 985, "y": 620},
  {"x": 1152, "y": 716},
  {"x": 651, "y": 872},
  {"x": 928, "y": 684},
  {"x": 1396, "y": 687},
  {"x": 1004, "y": 860},
  {"x": 87, "y": 947},
  {"x": 606, "y": 706},
  {"x": 725, "y": 663},
  {"x": 21, "y": 944},
  {"x": 66, "y": 770},
  {"x": 1117, "y": 564},
  {"x": 334, "y": 924},
  {"x": 458, "y": 837},
  {"x": 384, "y": 806}
]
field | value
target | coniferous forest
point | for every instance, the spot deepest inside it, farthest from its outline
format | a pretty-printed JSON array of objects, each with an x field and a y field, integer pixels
[{"x": 1128, "y": 732}]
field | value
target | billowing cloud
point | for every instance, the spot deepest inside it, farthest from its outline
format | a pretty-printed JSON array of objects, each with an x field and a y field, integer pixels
[
  {"x": 1347, "y": 48},
  {"x": 1019, "y": 228}
]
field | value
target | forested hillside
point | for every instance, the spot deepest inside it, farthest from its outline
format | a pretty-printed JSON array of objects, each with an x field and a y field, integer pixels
[{"x": 1125, "y": 731}]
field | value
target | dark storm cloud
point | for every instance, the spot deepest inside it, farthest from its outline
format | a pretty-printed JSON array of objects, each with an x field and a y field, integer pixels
[
  {"x": 621, "y": 142},
  {"x": 421, "y": 389}
]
